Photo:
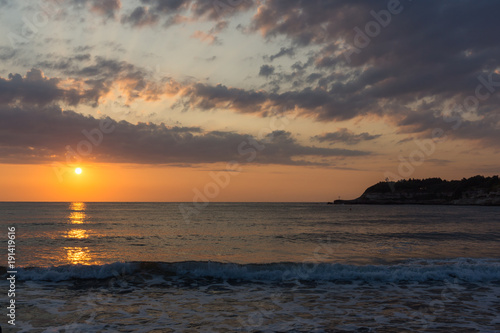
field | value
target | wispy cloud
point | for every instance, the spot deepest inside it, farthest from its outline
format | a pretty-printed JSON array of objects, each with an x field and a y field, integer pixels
[{"x": 344, "y": 135}]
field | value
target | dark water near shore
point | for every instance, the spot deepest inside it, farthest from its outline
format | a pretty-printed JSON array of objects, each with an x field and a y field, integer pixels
[{"x": 250, "y": 267}]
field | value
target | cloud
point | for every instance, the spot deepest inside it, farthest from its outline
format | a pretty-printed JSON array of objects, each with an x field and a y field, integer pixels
[
  {"x": 204, "y": 37},
  {"x": 401, "y": 67},
  {"x": 7, "y": 53},
  {"x": 407, "y": 74},
  {"x": 282, "y": 52},
  {"x": 167, "y": 6},
  {"x": 318, "y": 103},
  {"x": 42, "y": 135},
  {"x": 134, "y": 82},
  {"x": 303, "y": 22},
  {"x": 84, "y": 83},
  {"x": 140, "y": 17},
  {"x": 313, "y": 77},
  {"x": 266, "y": 70},
  {"x": 344, "y": 135},
  {"x": 106, "y": 7},
  {"x": 211, "y": 36},
  {"x": 62, "y": 63},
  {"x": 484, "y": 131},
  {"x": 219, "y": 27},
  {"x": 180, "y": 11},
  {"x": 36, "y": 89}
]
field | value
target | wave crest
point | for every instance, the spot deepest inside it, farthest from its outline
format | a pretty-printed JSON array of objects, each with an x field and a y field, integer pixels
[{"x": 467, "y": 270}]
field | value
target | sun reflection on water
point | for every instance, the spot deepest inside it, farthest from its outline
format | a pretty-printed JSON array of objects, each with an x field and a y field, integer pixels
[
  {"x": 77, "y": 233},
  {"x": 77, "y": 206},
  {"x": 77, "y": 217},
  {"x": 77, "y": 214},
  {"x": 78, "y": 255}
]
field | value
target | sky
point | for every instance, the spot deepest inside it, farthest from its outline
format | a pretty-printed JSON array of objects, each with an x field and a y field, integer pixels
[{"x": 240, "y": 100}]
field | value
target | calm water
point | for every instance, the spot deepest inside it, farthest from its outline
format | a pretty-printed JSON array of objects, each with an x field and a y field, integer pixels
[{"x": 255, "y": 267}]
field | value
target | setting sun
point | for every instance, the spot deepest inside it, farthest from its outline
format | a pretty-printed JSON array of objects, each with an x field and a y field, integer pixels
[{"x": 78, "y": 171}]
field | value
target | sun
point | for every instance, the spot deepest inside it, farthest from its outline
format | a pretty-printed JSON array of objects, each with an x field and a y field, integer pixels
[{"x": 78, "y": 171}]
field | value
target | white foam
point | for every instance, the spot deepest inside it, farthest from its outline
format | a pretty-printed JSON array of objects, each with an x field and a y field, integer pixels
[{"x": 217, "y": 307}]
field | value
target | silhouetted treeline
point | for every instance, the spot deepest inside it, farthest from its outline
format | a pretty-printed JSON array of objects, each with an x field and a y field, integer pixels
[
  {"x": 477, "y": 190},
  {"x": 489, "y": 184}
]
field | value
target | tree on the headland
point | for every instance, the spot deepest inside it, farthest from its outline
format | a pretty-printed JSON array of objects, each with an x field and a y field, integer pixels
[{"x": 489, "y": 184}]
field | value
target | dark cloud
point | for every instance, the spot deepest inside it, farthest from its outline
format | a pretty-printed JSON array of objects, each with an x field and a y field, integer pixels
[
  {"x": 106, "y": 7},
  {"x": 343, "y": 135},
  {"x": 313, "y": 77},
  {"x": 319, "y": 103},
  {"x": 62, "y": 63},
  {"x": 208, "y": 97},
  {"x": 299, "y": 66},
  {"x": 408, "y": 73},
  {"x": 284, "y": 51},
  {"x": 84, "y": 84},
  {"x": 167, "y": 6},
  {"x": 29, "y": 135},
  {"x": 180, "y": 11},
  {"x": 403, "y": 63},
  {"x": 432, "y": 125},
  {"x": 36, "y": 89},
  {"x": 266, "y": 70},
  {"x": 140, "y": 16},
  {"x": 217, "y": 10},
  {"x": 304, "y": 21}
]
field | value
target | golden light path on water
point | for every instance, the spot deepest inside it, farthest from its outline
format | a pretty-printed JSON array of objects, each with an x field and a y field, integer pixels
[
  {"x": 77, "y": 254},
  {"x": 77, "y": 234}
]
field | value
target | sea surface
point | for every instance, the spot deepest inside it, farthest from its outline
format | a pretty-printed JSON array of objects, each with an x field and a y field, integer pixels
[{"x": 251, "y": 267}]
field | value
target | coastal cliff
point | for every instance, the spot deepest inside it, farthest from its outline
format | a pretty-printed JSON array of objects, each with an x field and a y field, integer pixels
[{"x": 477, "y": 190}]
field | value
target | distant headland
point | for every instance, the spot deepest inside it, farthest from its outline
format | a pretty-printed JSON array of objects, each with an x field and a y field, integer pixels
[{"x": 477, "y": 190}]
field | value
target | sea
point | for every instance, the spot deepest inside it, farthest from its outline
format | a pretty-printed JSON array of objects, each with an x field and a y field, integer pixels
[{"x": 249, "y": 267}]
